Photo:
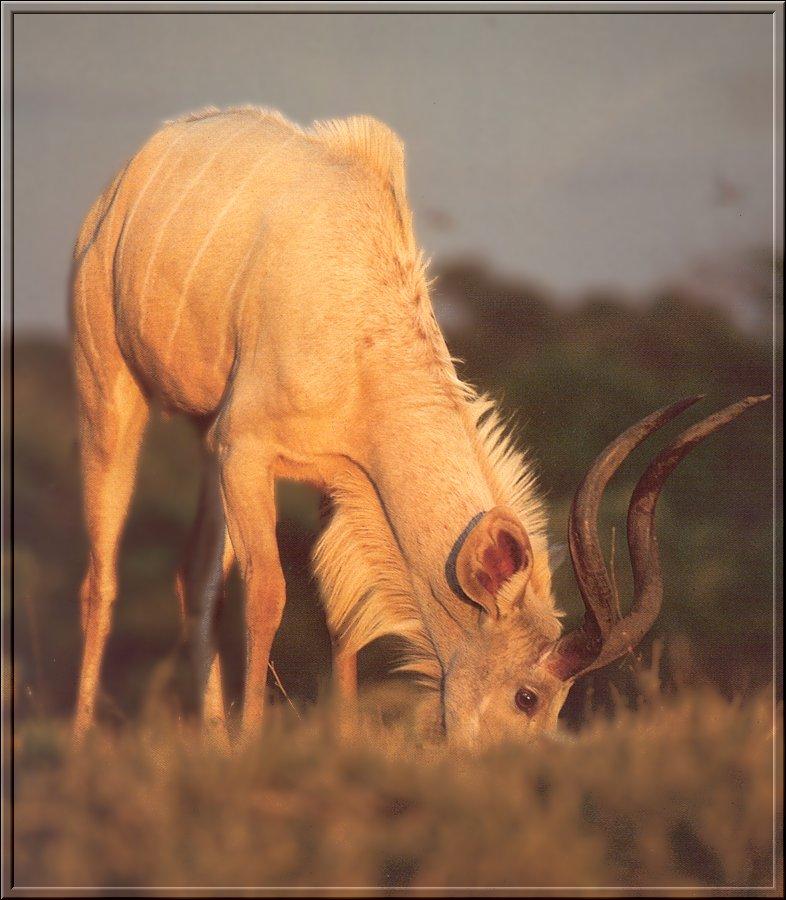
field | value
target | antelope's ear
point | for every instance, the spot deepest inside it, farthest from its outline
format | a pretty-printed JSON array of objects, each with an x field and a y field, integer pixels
[{"x": 495, "y": 550}]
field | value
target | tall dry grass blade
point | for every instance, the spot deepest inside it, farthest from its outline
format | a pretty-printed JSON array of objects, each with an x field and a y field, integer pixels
[{"x": 281, "y": 687}]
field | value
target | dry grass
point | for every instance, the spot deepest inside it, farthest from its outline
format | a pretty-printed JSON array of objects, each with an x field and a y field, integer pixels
[{"x": 677, "y": 793}]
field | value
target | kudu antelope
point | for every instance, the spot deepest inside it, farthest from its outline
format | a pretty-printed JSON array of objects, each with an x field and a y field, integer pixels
[{"x": 264, "y": 280}]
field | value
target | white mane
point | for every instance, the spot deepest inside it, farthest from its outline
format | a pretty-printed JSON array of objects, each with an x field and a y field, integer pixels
[{"x": 364, "y": 579}]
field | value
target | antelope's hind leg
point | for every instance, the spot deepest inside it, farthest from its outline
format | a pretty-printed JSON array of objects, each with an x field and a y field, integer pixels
[
  {"x": 112, "y": 415},
  {"x": 200, "y": 586}
]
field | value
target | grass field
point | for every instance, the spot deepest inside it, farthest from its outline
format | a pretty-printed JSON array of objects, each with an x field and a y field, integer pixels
[
  {"x": 675, "y": 790},
  {"x": 678, "y": 793}
]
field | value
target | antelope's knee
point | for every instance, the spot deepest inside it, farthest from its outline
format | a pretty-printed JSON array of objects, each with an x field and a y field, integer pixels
[
  {"x": 96, "y": 597},
  {"x": 267, "y": 596}
]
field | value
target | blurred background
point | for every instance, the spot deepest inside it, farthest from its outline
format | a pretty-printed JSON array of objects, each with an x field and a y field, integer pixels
[{"x": 596, "y": 193}]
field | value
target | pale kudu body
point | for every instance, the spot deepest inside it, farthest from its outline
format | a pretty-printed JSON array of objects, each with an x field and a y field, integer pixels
[{"x": 264, "y": 280}]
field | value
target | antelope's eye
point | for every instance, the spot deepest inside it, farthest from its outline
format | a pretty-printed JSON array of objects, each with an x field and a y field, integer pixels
[{"x": 526, "y": 701}]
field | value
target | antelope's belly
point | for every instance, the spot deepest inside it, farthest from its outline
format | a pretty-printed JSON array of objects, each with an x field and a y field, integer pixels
[
  {"x": 176, "y": 300},
  {"x": 183, "y": 358}
]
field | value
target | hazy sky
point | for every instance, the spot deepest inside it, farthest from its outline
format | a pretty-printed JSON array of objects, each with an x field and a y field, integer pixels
[{"x": 579, "y": 150}]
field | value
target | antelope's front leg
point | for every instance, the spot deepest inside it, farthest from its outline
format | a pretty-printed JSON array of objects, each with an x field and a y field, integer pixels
[
  {"x": 345, "y": 676},
  {"x": 345, "y": 687},
  {"x": 249, "y": 503},
  {"x": 345, "y": 664}
]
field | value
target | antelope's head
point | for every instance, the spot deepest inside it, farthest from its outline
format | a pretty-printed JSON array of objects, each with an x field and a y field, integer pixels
[{"x": 512, "y": 676}]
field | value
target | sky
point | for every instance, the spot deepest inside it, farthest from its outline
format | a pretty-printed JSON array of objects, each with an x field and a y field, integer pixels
[{"x": 580, "y": 151}]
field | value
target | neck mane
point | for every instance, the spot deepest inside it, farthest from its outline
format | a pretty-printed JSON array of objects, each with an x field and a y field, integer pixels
[
  {"x": 365, "y": 578},
  {"x": 365, "y": 582}
]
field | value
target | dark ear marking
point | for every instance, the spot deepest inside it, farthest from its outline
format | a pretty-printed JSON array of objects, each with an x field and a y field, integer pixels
[{"x": 450, "y": 563}]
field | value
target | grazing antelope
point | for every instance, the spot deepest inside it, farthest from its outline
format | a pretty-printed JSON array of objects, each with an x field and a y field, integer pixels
[{"x": 264, "y": 280}]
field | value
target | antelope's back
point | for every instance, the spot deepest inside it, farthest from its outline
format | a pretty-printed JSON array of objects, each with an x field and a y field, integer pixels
[{"x": 230, "y": 228}]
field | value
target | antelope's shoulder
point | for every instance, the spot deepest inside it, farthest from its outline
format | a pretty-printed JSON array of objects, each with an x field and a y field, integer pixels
[{"x": 367, "y": 141}]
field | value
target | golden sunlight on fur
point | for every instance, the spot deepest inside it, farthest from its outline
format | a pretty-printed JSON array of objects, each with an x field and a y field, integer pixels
[{"x": 264, "y": 280}]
